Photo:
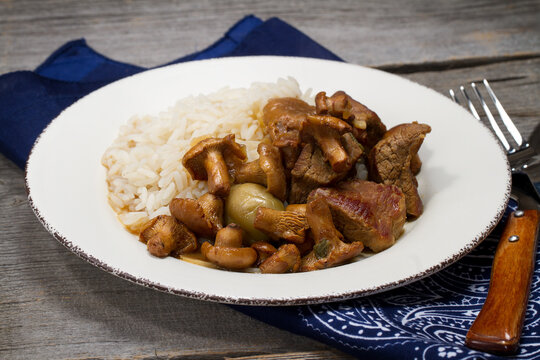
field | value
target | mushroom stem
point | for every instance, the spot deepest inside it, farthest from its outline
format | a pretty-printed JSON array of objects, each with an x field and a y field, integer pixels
[
  {"x": 326, "y": 130},
  {"x": 218, "y": 176},
  {"x": 271, "y": 165},
  {"x": 208, "y": 159},
  {"x": 319, "y": 218},
  {"x": 267, "y": 170},
  {"x": 227, "y": 251},
  {"x": 250, "y": 172},
  {"x": 230, "y": 236},
  {"x": 229, "y": 258},
  {"x": 332, "y": 149},
  {"x": 329, "y": 250}
]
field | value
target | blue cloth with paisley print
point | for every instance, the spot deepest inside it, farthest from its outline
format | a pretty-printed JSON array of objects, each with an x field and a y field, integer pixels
[{"x": 427, "y": 319}]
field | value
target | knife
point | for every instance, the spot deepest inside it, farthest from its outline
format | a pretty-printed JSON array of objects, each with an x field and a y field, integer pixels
[{"x": 498, "y": 326}]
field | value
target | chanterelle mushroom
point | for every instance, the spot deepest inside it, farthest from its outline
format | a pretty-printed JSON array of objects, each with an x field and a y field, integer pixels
[
  {"x": 299, "y": 208},
  {"x": 203, "y": 216},
  {"x": 207, "y": 160},
  {"x": 268, "y": 170},
  {"x": 287, "y": 225},
  {"x": 164, "y": 235},
  {"x": 283, "y": 119},
  {"x": 285, "y": 259},
  {"x": 329, "y": 249},
  {"x": 393, "y": 161},
  {"x": 368, "y": 127},
  {"x": 227, "y": 251},
  {"x": 327, "y": 131},
  {"x": 264, "y": 250}
]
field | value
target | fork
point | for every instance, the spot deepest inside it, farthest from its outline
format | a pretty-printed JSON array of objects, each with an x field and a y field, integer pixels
[
  {"x": 498, "y": 326},
  {"x": 516, "y": 155}
]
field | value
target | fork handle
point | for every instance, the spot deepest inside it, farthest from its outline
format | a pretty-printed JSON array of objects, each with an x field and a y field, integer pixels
[{"x": 497, "y": 329}]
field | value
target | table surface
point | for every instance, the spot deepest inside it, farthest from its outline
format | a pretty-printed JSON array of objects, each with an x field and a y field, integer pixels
[{"x": 55, "y": 305}]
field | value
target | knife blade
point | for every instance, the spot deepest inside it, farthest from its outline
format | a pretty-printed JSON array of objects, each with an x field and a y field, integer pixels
[{"x": 498, "y": 326}]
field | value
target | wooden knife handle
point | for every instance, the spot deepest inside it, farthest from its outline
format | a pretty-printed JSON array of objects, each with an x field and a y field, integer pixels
[{"x": 497, "y": 328}]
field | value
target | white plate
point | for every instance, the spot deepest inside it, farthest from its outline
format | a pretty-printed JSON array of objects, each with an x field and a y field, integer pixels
[{"x": 464, "y": 182}]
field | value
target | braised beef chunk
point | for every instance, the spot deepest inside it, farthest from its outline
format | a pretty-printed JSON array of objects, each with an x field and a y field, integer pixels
[
  {"x": 284, "y": 118},
  {"x": 353, "y": 148},
  {"x": 368, "y": 127},
  {"x": 393, "y": 161},
  {"x": 416, "y": 164},
  {"x": 329, "y": 249},
  {"x": 312, "y": 170},
  {"x": 365, "y": 211}
]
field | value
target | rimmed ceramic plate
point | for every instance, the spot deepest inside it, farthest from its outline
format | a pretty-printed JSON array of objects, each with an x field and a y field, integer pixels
[{"x": 464, "y": 182}]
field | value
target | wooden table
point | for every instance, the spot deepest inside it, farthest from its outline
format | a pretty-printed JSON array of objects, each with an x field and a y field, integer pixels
[{"x": 55, "y": 305}]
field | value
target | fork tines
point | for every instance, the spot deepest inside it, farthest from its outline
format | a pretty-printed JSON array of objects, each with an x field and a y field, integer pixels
[{"x": 506, "y": 120}]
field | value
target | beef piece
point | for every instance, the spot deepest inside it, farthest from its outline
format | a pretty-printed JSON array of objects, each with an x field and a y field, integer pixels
[
  {"x": 353, "y": 148},
  {"x": 366, "y": 211},
  {"x": 416, "y": 164},
  {"x": 312, "y": 170},
  {"x": 284, "y": 119},
  {"x": 394, "y": 161},
  {"x": 368, "y": 127}
]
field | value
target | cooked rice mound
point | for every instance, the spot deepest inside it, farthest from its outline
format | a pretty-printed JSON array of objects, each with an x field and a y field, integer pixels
[{"x": 144, "y": 163}]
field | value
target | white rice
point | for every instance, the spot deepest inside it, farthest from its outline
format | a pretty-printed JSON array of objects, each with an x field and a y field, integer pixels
[{"x": 144, "y": 163}]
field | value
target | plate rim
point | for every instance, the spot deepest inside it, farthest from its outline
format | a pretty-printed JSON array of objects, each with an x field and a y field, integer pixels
[{"x": 262, "y": 301}]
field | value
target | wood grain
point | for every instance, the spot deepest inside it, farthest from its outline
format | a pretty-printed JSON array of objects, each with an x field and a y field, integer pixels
[
  {"x": 53, "y": 305},
  {"x": 372, "y": 33},
  {"x": 498, "y": 327}
]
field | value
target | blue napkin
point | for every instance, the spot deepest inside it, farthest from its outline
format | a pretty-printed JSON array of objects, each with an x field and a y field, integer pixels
[
  {"x": 424, "y": 320},
  {"x": 29, "y": 100}
]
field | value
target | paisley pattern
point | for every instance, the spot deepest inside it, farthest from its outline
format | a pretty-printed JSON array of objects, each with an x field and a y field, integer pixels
[{"x": 427, "y": 319}]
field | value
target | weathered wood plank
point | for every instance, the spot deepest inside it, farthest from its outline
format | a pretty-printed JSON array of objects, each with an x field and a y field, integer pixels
[
  {"x": 372, "y": 33},
  {"x": 58, "y": 306},
  {"x": 54, "y": 305},
  {"x": 516, "y": 83}
]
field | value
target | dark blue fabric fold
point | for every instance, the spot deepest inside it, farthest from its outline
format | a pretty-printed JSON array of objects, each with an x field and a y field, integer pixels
[
  {"x": 424, "y": 320},
  {"x": 29, "y": 100}
]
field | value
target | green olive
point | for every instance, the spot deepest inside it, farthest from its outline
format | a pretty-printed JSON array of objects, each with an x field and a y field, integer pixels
[{"x": 242, "y": 204}]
